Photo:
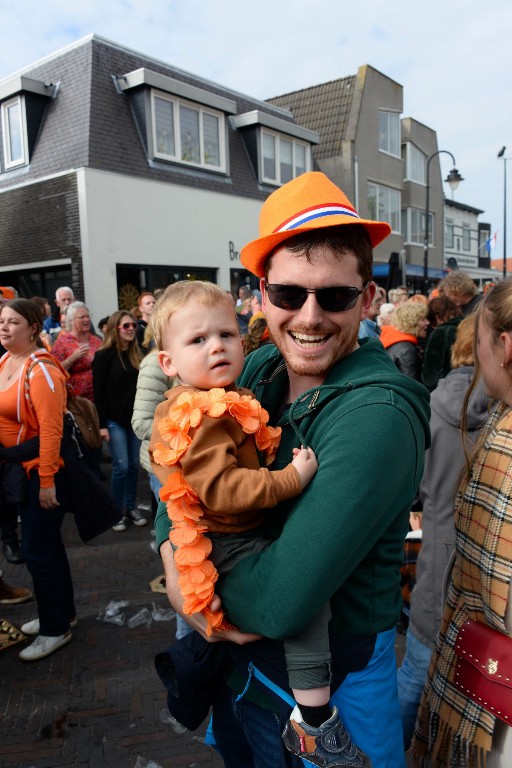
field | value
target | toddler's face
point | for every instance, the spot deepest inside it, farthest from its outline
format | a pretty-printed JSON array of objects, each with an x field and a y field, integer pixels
[{"x": 203, "y": 346}]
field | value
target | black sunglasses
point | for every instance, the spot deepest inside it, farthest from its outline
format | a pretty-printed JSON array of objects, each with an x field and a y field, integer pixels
[
  {"x": 127, "y": 326},
  {"x": 337, "y": 298}
]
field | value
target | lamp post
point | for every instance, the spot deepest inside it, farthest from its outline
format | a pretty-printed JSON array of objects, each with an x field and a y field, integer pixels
[
  {"x": 453, "y": 179},
  {"x": 501, "y": 153}
]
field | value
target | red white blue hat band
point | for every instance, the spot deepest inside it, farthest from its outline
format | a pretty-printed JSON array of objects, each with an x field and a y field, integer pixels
[{"x": 315, "y": 213}]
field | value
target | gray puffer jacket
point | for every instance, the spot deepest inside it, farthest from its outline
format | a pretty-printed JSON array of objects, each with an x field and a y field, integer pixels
[
  {"x": 152, "y": 384},
  {"x": 443, "y": 464}
]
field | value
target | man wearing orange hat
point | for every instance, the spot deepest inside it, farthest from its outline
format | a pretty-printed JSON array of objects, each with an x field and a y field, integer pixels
[{"x": 342, "y": 539}]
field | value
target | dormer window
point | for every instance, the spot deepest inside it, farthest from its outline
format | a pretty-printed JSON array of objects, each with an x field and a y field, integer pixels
[
  {"x": 187, "y": 133},
  {"x": 14, "y": 132},
  {"x": 282, "y": 158},
  {"x": 280, "y": 150},
  {"x": 178, "y": 122},
  {"x": 23, "y": 103}
]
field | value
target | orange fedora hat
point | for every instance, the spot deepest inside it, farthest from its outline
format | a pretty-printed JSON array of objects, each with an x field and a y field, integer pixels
[{"x": 310, "y": 201}]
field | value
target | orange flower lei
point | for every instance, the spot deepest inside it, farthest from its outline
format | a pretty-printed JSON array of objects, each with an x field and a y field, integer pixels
[{"x": 197, "y": 574}]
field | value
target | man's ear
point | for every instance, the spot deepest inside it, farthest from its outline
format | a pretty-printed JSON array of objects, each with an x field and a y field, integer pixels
[
  {"x": 368, "y": 297},
  {"x": 506, "y": 339},
  {"x": 165, "y": 362},
  {"x": 263, "y": 294}
]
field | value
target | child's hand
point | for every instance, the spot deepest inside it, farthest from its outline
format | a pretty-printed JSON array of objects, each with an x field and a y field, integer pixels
[{"x": 304, "y": 461}]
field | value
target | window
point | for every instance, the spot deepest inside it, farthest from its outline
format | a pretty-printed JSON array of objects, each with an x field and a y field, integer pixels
[
  {"x": 384, "y": 205},
  {"x": 415, "y": 164},
  {"x": 413, "y": 226},
  {"x": 466, "y": 237},
  {"x": 283, "y": 158},
  {"x": 449, "y": 234},
  {"x": 187, "y": 133},
  {"x": 389, "y": 133},
  {"x": 14, "y": 132}
]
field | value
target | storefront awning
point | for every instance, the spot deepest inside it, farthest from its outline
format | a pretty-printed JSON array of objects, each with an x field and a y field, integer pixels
[{"x": 412, "y": 270}]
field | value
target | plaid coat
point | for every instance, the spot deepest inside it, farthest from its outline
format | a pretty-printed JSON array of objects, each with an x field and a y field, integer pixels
[{"x": 451, "y": 729}]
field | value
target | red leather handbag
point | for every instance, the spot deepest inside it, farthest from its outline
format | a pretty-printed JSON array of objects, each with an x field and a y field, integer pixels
[{"x": 484, "y": 668}]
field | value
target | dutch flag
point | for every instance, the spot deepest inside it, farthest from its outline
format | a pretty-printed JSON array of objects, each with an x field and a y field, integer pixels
[{"x": 490, "y": 244}]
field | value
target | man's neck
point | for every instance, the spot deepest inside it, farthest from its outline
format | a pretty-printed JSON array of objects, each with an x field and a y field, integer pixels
[{"x": 300, "y": 384}]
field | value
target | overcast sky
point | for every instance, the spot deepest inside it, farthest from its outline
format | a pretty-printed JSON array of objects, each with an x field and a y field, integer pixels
[{"x": 452, "y": 57}]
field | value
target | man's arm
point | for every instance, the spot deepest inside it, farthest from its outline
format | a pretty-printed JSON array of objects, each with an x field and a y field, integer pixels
[
  {"x": 197, "y": 620},
  {"x": 368, "y": 472}
]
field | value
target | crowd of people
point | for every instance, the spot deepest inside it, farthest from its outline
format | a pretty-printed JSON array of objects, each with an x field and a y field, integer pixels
[{"x": 341, "y": 407}]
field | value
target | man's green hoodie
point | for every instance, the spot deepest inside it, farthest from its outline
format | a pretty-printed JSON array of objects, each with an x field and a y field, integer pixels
[{"x": 342, "y": 538}]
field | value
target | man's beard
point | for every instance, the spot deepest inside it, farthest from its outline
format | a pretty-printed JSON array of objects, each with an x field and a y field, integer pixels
[{"x": 319, "y": 368}]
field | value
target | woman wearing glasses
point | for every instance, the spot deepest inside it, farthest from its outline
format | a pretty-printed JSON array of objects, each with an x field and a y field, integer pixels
[
  {"x": 76, "y": 347},
  {"x": 115, "y": 369}
]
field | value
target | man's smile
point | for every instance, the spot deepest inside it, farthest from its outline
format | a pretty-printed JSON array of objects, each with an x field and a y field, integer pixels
[{"x": 309, "y": 340}]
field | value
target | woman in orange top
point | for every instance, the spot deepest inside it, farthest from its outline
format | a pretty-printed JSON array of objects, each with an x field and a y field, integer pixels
[{"x": 32, "y": 405}]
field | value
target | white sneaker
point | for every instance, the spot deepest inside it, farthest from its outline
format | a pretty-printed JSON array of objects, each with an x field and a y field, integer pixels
[
  {"x": 120, "y": 526},
  {"x": 44, "y": 646},
  {"x": 136, "y": 517},
  {"x": 32, "y": 627}
]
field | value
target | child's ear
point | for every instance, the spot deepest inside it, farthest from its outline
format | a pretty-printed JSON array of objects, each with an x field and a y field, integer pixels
[{"x": 165, "y": 362}]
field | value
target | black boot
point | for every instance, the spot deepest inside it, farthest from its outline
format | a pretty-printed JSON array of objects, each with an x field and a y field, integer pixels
[{"x": 12, "y": 552}]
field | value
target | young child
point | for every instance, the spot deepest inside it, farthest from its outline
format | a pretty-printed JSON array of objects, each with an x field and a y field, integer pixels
[{"x": 204, "y": 449}]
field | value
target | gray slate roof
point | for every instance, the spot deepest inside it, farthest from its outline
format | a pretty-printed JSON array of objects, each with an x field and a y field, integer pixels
[
  {"x": 89, "y": 124},
  {"x": 324, "y": 108}
]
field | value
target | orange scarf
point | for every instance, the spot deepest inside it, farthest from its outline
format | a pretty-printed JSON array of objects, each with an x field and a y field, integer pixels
[{"x": 197, "y": 574}]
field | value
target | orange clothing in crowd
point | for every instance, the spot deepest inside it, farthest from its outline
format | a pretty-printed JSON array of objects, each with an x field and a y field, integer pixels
[
  {"x": 36, "y": 407},
  {"x": 391, "y": 335}
]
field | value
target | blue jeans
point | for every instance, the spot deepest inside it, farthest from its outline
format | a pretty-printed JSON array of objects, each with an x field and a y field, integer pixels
[
  {"x": 155, "y": 485},
  {"x": 411, "y": 679},
  {"x": 124, "y": 449},
  {"x": 248, "y": 736},
  {"x": 45, "y": 557}
]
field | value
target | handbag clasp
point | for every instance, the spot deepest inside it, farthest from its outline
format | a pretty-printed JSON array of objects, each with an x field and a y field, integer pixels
[{"x": 492, "y": 666}]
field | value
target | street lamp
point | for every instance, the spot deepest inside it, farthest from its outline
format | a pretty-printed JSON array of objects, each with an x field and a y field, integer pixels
[
  {"x": 501, "y": 153},
  {"x": 453, "y": 179}
]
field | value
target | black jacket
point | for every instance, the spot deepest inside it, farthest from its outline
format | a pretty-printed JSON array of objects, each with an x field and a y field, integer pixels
[{"x": 407, "y": 358}]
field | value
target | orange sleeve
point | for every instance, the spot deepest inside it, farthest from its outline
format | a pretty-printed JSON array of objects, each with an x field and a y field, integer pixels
[{"x": 49, "y": 407}]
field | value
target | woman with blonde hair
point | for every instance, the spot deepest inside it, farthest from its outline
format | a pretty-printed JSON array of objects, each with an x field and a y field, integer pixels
[
  {"x": 407, "y": 324},
  {"x": 115, "y": 370},
  {"x": 454, "y": 727}
]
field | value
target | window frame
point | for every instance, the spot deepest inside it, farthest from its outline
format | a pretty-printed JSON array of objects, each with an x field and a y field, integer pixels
[
  {"x": 396, "y": 225},
  {"x": 387, "y": 133},
  {"x": 466, "y": 237},
  {"x": 295, "y": 143},
  {"x": 449, "y": 234},
  {"x": 201, "y": 109},
  {"x": 9, "y": 163},
  {"x": 411, "y": 214},
  {"x": 411, "y": 153}
]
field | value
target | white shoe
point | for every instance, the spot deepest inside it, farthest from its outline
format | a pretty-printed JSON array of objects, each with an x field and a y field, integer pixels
[
  {"x": 136, "y": 517},
  {"x": 44, "y": 646},
  {"x": 32, "y": 627},
  {"x": 120, "y": 526}
]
